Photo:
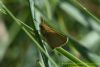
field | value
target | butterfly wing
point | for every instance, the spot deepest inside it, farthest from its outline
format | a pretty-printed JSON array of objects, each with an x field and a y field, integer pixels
[{"x": 53, "y": 38}]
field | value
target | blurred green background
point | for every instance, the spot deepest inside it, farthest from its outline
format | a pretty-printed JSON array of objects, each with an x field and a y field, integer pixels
[{"x": 81, "y": 26}]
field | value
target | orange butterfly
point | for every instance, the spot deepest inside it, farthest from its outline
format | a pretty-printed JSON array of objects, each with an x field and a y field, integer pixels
[{"x": 53, "y": 38}]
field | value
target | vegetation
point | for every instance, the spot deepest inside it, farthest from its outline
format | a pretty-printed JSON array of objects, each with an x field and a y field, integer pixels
[{"x": 49, "y": 33}]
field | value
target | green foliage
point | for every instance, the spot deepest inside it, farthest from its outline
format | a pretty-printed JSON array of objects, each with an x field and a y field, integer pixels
[{"x": 27, "y": 47}]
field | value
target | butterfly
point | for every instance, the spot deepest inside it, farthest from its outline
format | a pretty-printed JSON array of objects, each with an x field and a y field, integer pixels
[{"x": 53, "y": 38}]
